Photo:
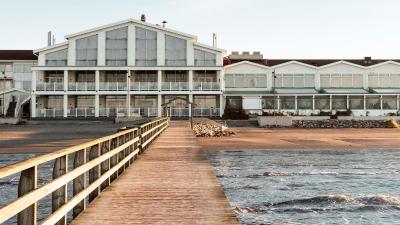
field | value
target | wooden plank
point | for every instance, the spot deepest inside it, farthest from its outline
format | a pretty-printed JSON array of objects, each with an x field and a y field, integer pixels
[
  {"x": 174, "y": 185},
  {"x": 27, "y": 183},
  {"x": 59, "y": 196}
]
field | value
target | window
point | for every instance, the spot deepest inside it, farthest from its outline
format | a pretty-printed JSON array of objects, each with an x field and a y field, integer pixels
[
  {"x": 145, "y": 76},
  {"x": 294, "y": 81},
  {"x": 85, "y": 102},
  {"x": 341, "y": 80},
  {"x": 58, "y": 58},
  {"x": 373, "y": 102},
  {"x": 322, "y": 102},
  {"x": 229, "y": 80},
  {"x": 287, "y": 102},
  {"x": 356, "y": 102},
  {"x": 205, "y": 101},
  {"x": 116, "y": 47},
  {"x": 389, "y": 102},
  {"x": 269, "y": 102},
  {"x": 86, "y": 51},
  {"x": 144, "y": 102},
  {"x": 339, "y": 102},
  {"x": 146, "y": 47},
  {"x": 384, "y": 80},
  {"x": 55, "y": 102},
  {"x": 304, "y": 102},
  {"x": 175, "y": 76},
  {"x": 22, "y": 68},
  {"x": 175, "y": 51},
  {"x": 114, "y": 102},
  {"x": 203, "y": 58},
  {"x": 85, "y": 77},
  {"x": 116, "y": 77},
  {"x": 234, "y": 102},
  {"x": 246, "y": 80}
]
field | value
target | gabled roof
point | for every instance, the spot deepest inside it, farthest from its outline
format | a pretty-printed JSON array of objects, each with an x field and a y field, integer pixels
[
  {"x": 342, "y": 62},
  {"x": 17, "y": 55},
  {"x": 51, "y": 47},
  {"x": 294, "y": 62},
  {"x": 248, "y": 63},
  {"x": 127, "y": 22},
  {"x": 386, "y": 62}
]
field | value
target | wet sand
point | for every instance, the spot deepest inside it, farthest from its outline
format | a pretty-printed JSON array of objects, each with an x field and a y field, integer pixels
[{"x": 270, "y": 139}]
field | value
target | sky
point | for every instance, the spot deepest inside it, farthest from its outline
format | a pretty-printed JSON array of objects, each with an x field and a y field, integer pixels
[{"x": 277, "y": 28}]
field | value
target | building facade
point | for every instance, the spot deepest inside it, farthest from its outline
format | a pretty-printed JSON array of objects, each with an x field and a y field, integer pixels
[
  {"x": 309, "y": 87},
  {"x": 128, "y": 68},
  {"x": 15, "y": 81}
]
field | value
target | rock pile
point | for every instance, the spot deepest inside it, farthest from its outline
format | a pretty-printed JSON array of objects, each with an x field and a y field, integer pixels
[
  {"x": 334, "y": 123},
  {"x": 211, "y": 130}
]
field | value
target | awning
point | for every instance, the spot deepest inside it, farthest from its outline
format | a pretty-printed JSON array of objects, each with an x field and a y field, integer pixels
[
  {"x": 247, "y": 93},
  {"x": 296, "y": 91},
  {"x": 345, "y": 91},
  {"x": 385, "y": 90}
]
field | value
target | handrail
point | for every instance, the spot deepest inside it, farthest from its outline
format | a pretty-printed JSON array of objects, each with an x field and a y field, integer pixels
[{"x": 107, "y": 158}]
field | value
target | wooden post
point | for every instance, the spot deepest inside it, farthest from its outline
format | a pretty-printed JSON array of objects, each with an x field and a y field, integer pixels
[
  {"x": 59, "y": 196},
  {"x": 27, "y": 183},
  {"x": 94, "y": 172},
  {"x": 105, "y": 166},
  {"x": 114, "y": 159},
  {"x": 79, "y": 182}
]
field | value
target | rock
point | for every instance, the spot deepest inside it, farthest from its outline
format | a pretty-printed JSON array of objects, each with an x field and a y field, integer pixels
[
  {"x": 211, "y": 130},
  {"x": 334, "y": 123}
]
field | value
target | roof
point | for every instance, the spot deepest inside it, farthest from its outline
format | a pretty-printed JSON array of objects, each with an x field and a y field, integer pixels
[
  {"x": 385, "y": 90},
  {"x": 296, "y": 91},
  {"x": 344, "y": 91},
  {"x": 17, "y": 55}
]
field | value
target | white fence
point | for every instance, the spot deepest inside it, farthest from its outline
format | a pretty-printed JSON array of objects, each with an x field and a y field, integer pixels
[
  {"x": 49, "y": 113},
  {"x": 206, "y": 86},
  {"x": 144, "y": 86},
  {"x": 50, "y": 86},
  {"x": 206, "y": 112},
  {"x": 175, "y": 86},
  {"x": 82, "y": 86},
  {"x": 81, "y": 112},
  {"x": 113, "y": 86}
]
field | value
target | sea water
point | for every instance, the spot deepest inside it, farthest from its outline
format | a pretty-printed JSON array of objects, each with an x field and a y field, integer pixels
[{"x": 311, "y": 187}]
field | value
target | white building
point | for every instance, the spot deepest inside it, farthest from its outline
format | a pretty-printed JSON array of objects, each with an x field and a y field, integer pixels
[
  {"x": 15, "y": 81},
  {"x": 305, "y": 87},
  {"x": 128, "y": 68}
]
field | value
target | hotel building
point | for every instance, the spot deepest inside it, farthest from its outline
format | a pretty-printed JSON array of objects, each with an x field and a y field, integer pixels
[{"x": 128, "y": 68}]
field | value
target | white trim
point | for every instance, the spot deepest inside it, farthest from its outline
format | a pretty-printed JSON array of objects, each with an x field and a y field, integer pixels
[
  {"x": 107, "y": 68},
  {"x": 205, "y": 47},
  {"x": 342, "y": 62},
  {"x": 50, "y": 47},
  {"x": 248, "y": 63},
  {"x": 294, "y": 62},
  {"x": 384, "y": 63}
]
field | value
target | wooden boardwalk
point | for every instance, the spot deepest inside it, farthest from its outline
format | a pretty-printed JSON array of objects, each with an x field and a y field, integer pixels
[{"x": 171, "y": 183}]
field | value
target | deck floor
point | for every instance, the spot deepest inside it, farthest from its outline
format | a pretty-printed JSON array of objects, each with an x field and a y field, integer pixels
[{"x": 171, "y": 183}]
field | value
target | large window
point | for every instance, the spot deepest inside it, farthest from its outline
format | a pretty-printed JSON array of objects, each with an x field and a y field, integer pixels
[
  {"x": 389, "y": 102},
  {"x": 322, "y": 102},
  {"x": 86, "y": 51},
  {"x": 341, "y": 80},
  {"x": 146, "y": 47},
  {"x": 116, "y": 47},
  {"x": 234, "y": 102},
  {"x": 373, "y": 102},
  {"x": 204, "y": 58},
  {"x": 384, "y": 80},
  {"x": 356, "y": 102},
  {"x": 269, "y": 102},
  {"x": 294, "y": 81},
  {"x": 339, "y": 102},
  {"x": 287, "y": 102},
  {"x": 85, "y": 102},
  {"x": 58, "y": 58},
  {"x": 205, "y": 101},
  {"x": 245, "y": 80},
  {"x": 175, "y": 51},
  {"x": 305, "y": 102}
]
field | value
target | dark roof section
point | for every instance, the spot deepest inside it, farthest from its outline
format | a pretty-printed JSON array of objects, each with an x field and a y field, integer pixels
[
  {"x": 17, "y": 55},
  {"x": 367, "y": 61}
]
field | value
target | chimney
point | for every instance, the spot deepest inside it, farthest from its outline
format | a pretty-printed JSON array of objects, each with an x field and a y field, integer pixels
[
  {"x": 49, "y": 38},
  {"x": 214, "y": 40},
  {"x": 143, "y": 18},
  {"x": 163, "y": 23},
  {"x": 367, "y": 60},
  {"x": 54, "y": 40}
]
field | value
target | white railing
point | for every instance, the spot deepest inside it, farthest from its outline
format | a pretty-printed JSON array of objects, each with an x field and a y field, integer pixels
[
  {"x": 175, "y": 86},
  {"x": 206, "y": 86},
  {"x": 145, "y": 112},
  {"x": 113, "y": 86},
  {"x": 81, "y": 112},
  {"x": 49, "y": 113},
  {"x": 206, "y": 112},
  {"x": 82, "y": 86},
  {"x": 144, "y": 86},
  {"x": 179, "y": 112},
  {"x": 50, "y": 86}
]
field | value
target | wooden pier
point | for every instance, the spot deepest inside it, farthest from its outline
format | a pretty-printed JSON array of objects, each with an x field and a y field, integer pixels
[{"x": 171, "y": 183}]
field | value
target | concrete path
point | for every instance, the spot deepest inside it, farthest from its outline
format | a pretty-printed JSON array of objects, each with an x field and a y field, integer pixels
[{"x": 171, "y": 183}]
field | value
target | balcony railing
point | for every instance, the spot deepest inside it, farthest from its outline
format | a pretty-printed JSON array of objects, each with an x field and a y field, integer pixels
[
  {"x": 82, "y": 86},
  {"x": 113, "y": 86},
  {"x": 178, "y": 112},
  {"x": 81, "y": 112},
  {"x": 175, "y": 86},
  {"x": 206, "y": 112},
  {"x": 206, "y": 86},
  {"x": 53, "y": 86},
  {"x": 145, "y": 112},
  {"x": 49, "y": 113},
  {"x": 144, "y": 86}
]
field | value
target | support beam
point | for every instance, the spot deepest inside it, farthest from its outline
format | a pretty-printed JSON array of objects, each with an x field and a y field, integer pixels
[
  {"x": 190, "y": 80},
  {"x": 65, "y": 80},
  {"x": 65, "y": 106},
  {"x": 101, "y": 49},
  {"x": 96, "y": 105},
  {"x": 131, "y": 45},
  {"x": 191, "y": 102},
  {"x": 160, "y": 49},
  {"x": 159, "y": 107},
  {"x": 221, "y": 105},
  {"x": 97, "y": 80},
  {"x": 159, "y": 79}
]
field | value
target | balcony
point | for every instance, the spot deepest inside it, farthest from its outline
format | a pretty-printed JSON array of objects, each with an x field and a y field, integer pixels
[
  {"x": 146, "y": 112},
  {"x": 49, "y": 113},
  {"x": 81, "y": 112},
  {"x": 113, "y": 86},
  {"x": 206, "y": 112},
  {"x": 206, "y": 86},
  {"x": 175, "y": 86},
  {"x": 178, "y": 112},
  {"x": 50, "y": 86},
  {"x": 144, "y": 86},
  {"x": 82, "y": 86}
]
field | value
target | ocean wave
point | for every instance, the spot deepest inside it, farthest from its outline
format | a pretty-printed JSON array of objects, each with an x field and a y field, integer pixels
[
  {"x": 368, "y": 200},
  {"x": 277, "y": 173}
]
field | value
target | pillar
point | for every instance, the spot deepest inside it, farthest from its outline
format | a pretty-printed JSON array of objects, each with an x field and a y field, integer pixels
[
  {"x": 159, "y": 80},
  {"x": 101, "y": 49},
  {"x": 97, "y": 80},
  {"x": 96, "y": 105},
  {"x": 189, "y": 53},
  {"x": 33, "y": 105},
  {"x": 128, "y": 95},
  {"x": 160, "y": 49},
  {"x": 191, "y": 80},
  {"x": 159, "y": 107},
  {"x": 191, "y": 104},
  {"x": 317, "y": 81},
  {"x": 65, "y": 105},
  {"x": 65, "y": 80},
  {"x": 131, "y": 45},
  {"x": 221, "y": 105}
]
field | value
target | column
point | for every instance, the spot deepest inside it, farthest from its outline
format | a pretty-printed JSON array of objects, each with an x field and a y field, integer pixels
[
  {"x": 221, "y": 105},
  {"x": 65, "y": 104},
  {"x": 317, "y": 80},
  {"x": 160, "y": 49},
  {"x": 131, "y": 45},
  {"x": 159, "y": 107},
  {"x": 71, "y": 53},
  {"x": 189, "y": 53},
  {"x": 159, "y": 80},
  {"x": 365, "y": 81},
  {"x": 65, "y": 80},
  {"x": 101, "y": 49},
  {"x": 191, "y": 104},
  {"x": 190, "y": 80},
  {"x": 33, "y": 105},
  {"x": 128, "y": 95},
  {"x": 96, "y": 105},
  {"x": 34, "y": 79},
  {"x": 97, "y": 80}
]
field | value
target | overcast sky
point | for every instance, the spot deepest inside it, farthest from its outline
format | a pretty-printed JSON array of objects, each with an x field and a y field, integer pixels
[{"x": 277, "y": 28}]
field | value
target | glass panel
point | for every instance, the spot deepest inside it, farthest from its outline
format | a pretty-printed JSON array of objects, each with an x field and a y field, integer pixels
[
  {"x": 336, "y": 81},
  {"x": 304, "y": 102},
  {"x": 116, "y": 47},
  {"x": 373, "y": 80},
  {"x": 234, "y": 102},
  {"x": 86, "y": 51},
  {"x": 322, "y": 102},
  {"x": 339, "y": 102},
  {"x": 358, "y": 81},
  {"x": 356, "y": 102},
  {"x": 58, "y": 58},
  {"x": 325, "y": 81},
  {"x": 389, "y": 102},
  {"x": 309, "y": 80},
  {"x": 373, "y": 102},
  {"x": 287, "y": 102},
  {"x": 204, "y": 58},
  {"x": 347, "y": 81},
  {"x": 384, "y": 80},
  {"x": 229, "y": 80},
  {"x": 287, "y": 80},
  {"x": 146, "y": 47},
  {"x": 175, "y": 51},
  {"x": 278, "y": 81},
  {"x": 269, "y": 102}
]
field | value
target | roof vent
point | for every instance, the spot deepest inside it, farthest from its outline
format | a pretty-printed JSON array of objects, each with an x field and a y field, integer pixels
[
  {"x": 163, "y": 23},
  {"x": 143, "y": 18},
  {"x": 367, "y": 60}
]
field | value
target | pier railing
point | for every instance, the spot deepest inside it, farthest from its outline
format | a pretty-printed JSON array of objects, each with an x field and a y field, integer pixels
[{"x": 94, "y": 166}]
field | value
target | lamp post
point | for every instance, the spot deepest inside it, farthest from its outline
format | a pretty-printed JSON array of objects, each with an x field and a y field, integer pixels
[{"x": 274, "y": 96}]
